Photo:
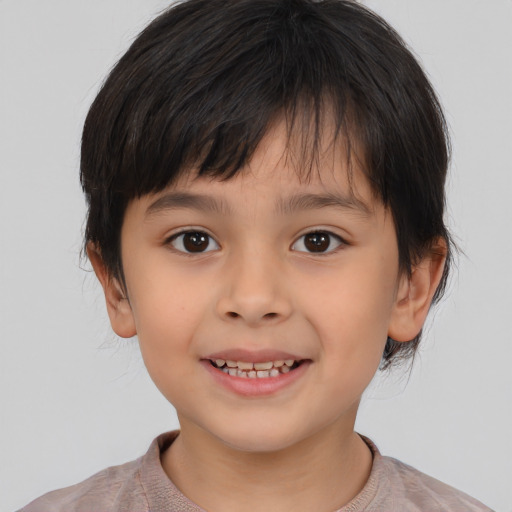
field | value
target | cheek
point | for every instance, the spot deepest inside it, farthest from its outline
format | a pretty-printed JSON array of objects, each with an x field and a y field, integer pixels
[
  {"x": 162, "y": 298},
  {"x": 355, "y": 302},
  {"x": 160, "y": 310},
  {"x": 167, "y": 311},
  {"x": 351, "y": 314}
]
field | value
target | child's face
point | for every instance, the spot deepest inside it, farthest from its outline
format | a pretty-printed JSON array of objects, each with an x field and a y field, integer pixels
[{"x": 255, "y": 291}]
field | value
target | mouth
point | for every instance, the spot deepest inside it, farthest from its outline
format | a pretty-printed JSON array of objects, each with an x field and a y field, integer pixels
[
  {"x": 261, "y": 370},
  {"x": 256, "y": 374}
]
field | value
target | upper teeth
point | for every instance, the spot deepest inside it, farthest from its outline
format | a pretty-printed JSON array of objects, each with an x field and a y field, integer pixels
[{"x": 245, "y": 365}]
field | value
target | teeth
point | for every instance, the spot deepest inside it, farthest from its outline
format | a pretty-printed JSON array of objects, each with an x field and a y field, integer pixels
[
  {"x": 245, "y": 366},
  {"x": 263, "y": 366},
  {"x": 249, "y": 370}
]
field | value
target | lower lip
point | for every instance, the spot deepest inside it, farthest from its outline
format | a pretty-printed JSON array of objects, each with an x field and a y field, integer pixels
[{"x": 256, "y": 386}]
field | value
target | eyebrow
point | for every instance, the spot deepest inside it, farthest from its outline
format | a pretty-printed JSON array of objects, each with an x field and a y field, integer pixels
[
  {"x": 301, "y": 202},
  {"x": 284, "y": 206},
  {"x": 181, "y": 200}
]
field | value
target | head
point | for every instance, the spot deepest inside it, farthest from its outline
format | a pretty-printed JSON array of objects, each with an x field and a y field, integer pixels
[
  {"x": 201, "y": 86},
  {"x": 212, "y": 87}
]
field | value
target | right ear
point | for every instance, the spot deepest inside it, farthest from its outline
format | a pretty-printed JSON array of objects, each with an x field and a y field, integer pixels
[{"x": 118, "y": 306}]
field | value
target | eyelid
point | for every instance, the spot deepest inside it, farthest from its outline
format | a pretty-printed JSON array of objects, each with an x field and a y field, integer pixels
[
  {"x": 171, "y": 238},
  {"x": 342, "y": 242}
]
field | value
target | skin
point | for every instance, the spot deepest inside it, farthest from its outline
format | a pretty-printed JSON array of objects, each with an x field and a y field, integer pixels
[{"x": 258, "y": 286}]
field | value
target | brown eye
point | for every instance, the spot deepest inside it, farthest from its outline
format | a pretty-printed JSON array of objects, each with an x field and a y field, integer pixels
[
  {"x": 317, "y": 241},
  {"x": 193, "y": 242}
]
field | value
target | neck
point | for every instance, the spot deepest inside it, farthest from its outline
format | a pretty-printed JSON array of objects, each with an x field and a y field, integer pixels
[{"x": 321, "y": 473}]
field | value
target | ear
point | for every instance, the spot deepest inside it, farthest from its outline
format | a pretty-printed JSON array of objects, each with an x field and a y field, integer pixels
[
  {"x": 118, "y": 306},
  {"x": 415, "y": 293}
]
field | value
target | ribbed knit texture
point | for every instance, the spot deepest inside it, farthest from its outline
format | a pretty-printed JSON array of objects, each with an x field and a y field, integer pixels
[{"x": 143, "y": 486}]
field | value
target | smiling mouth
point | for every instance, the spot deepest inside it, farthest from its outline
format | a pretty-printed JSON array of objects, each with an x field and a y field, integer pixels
[{"x": 268, "y": 369}]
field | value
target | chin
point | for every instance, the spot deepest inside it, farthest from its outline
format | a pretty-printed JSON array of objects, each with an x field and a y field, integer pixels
[
  {"x": 261, "y": 438},
  {"x": 260, "y": 445}
]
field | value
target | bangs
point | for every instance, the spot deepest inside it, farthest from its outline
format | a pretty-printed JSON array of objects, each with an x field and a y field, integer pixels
[{"x": 204, "y": 106}]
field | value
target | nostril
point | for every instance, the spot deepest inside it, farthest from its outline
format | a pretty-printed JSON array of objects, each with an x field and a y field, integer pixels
[
  {"x": 232, "y": 314},
  {"x": 270, "y": 315}
]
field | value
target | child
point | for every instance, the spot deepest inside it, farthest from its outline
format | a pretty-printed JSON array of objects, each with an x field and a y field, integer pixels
[{"x": 265, "y": 181}]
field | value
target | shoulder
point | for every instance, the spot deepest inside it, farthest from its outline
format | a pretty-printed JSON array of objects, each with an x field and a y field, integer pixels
[
  {"x": 423, "y": 492},
  {"x": 140, "y": 485},
  {"x": 104, "y": 491},
  {"x": 393, "y": 485}
]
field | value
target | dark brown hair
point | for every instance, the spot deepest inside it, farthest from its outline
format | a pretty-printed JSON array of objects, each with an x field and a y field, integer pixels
[{"x": 200, "y": 86}]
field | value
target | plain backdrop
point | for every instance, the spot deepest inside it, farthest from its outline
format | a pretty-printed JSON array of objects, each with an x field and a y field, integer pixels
[{"x": 74, "y": 399}]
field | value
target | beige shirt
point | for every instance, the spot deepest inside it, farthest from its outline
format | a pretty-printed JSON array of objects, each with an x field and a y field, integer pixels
[{"x": 143, "y": 486}]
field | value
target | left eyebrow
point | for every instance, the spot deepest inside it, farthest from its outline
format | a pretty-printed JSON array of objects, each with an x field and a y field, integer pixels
[{"x": 300, "y": 202}]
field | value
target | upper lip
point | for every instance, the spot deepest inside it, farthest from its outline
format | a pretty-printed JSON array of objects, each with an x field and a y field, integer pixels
[{"x": 253, "y": 356}]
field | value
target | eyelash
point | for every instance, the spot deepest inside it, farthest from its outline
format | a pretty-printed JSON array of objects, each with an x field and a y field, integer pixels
[
  {"x": 341, "y": 242},
  {"x": 176, "y": 236}
]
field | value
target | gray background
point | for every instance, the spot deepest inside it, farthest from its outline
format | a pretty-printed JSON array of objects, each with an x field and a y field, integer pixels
[{"x": 74, "y": 399}]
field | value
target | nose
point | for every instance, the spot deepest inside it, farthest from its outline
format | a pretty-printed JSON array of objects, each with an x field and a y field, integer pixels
[{"x": 254, "y": 291}]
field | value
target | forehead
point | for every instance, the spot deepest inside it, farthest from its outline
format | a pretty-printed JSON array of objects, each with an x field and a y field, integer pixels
[{"x": 287, "y": 167}]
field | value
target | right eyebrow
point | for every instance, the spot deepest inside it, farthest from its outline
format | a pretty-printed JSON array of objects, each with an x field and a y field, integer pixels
[{"x": 179, "y": 200}]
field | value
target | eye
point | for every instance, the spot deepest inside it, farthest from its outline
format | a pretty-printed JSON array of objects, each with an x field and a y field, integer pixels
[
  {"x": 318, "y": 242},
  {"x": 193, "y": 242}
]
